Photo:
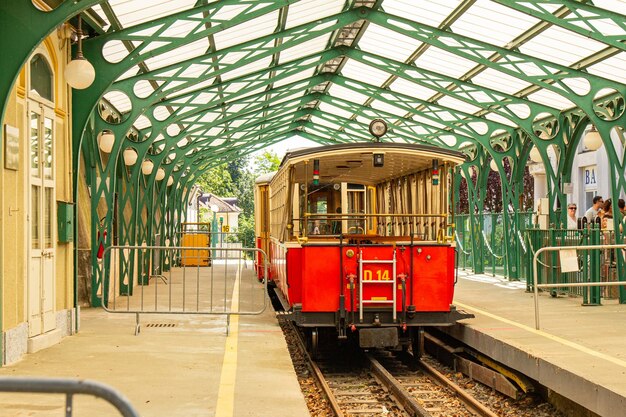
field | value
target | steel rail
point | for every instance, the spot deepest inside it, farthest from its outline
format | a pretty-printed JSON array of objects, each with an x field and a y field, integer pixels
[
  {"x": 404, "y": 397},
  {"x": 463, "y": 395},
  {"x": 328, "y": 393}
]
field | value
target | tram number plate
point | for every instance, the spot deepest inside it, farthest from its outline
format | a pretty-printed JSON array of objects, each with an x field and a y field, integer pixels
[{"x": 378, "y": 274}]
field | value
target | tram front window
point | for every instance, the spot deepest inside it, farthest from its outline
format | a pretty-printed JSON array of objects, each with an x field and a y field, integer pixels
[
  {"x": 356, "y": 205},
  {"x": 318, "y": 204}
]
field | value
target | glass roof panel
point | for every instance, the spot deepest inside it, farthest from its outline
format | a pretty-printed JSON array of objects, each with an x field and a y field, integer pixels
[
  {"x": 555, "y": 45},
  {"x": 255, "y": 66},
  {"x": 499, "y": 119},
  {"x": 387, "y": 43},
  {"x": 503, "y": 23},
  {"x": 381, "y": 105},
  {"x": 188, "y": 51},
  {"x": 133, "y": 12},
  {"x": 329, "y": 108},
  {"x": 347, "y": 94},
  {"x": 499, "y": 81},
  {"x": 430, "y": 12},
  {"x": 308, "y": 10},
  {"x": 362, "y": 72},
  {"x": 551, "y": 99},
  {"x": 617, "y": 6},
  {"x": 246, "y": 31},
  {"x": 292, "y": 78},
  {"x": 303, "y": 49},
  {"x": 443, "y": 62},
  {"x": 456, "y": 104},
  {"x": 611, "y": 68},
  {"x": 407, "y": 87}
]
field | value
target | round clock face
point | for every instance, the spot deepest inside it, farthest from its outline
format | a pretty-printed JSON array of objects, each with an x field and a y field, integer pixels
[
  {"x": 378, "y": 127},
  {"x": 336, "y": 186}
]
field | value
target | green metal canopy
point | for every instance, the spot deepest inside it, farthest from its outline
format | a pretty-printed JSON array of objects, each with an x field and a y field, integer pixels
[{"x": 188, "y": 84}]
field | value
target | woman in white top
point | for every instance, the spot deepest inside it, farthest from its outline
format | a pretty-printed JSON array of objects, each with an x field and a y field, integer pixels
[{"x": 572, "y": 221}]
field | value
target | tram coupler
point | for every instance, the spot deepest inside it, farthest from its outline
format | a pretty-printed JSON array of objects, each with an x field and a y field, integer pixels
[
  {"x": 376, "y": 321},
  {"x": 342, "y": 306},
  {"x": 402, "y": 278},
  {"x": 410, "y": 312}
]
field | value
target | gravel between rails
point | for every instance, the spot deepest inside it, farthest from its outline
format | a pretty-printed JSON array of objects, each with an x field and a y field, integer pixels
[{"x": 530, "y": 405}]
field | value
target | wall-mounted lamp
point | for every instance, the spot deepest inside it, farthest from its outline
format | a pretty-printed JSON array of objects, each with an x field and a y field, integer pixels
[
  {"x": 535, "y": 156},
  {"x": 160, "y": 174},
  {"x": 79, "y": 73},
  {"x": 146, "y": 167},
  {"x": 592, "y": 140},
  {"x": 106, "y": 140},
  {"x": 130, "y": 156},
  {"x": 170, "y": 181}
]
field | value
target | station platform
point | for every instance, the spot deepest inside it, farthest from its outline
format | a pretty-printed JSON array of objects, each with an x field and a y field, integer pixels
[
  {"x": 579, "y": 351},
  {"x": 179, "y": 365}
]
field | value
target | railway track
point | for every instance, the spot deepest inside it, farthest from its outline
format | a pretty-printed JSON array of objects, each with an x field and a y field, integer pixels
[{"x": 384, "y": 384}]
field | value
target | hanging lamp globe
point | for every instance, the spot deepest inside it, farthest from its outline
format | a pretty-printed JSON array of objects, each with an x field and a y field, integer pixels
[
  {"x": 535, "y": 156},
  {"x": 592, "y": 140},
  {"x": 130, "y": 156},
  {"x": 493, "y": 165},
  {"x": 106, "y": 140},
  {"x": 79, "y": 73},
  {"x": 160, "y": 174},
  {"x": 146, "y": 167},
  {"x": 170, "y": 181}
]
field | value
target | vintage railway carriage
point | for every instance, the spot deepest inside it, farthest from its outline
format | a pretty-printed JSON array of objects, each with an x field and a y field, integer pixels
[{"x": 359, "y": 239}]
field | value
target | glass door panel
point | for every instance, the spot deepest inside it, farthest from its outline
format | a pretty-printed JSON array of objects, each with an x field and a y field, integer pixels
[
  {"x": 47, "y": 148},
  {"x": 34, "y": 217}
]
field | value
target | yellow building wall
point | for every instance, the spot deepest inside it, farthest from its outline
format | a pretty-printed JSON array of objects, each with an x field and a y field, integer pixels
[{"x": 14, "y": 193}]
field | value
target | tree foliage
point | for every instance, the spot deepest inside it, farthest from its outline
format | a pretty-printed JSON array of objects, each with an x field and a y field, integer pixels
[
  {"x": 493, "y": 195},
  {"x": 236, "y": 179}
]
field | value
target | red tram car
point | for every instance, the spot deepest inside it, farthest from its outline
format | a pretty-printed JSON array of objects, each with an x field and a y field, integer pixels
[{"x": 359, "y": 239}]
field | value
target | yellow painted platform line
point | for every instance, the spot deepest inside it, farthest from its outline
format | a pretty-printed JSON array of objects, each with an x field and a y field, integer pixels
[
  {"x": 557, "y": 339},
  {"x": 226, "y": 394}
]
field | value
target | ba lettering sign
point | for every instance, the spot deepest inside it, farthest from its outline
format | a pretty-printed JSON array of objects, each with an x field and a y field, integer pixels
[{"x": 589, "y": 178}]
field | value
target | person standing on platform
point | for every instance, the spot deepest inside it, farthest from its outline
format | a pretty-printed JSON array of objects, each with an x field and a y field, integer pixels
[
  {"x": 572, "y": 222},
  {"x": 606, "y": 214},
  {"x": 595, "y": 209}
]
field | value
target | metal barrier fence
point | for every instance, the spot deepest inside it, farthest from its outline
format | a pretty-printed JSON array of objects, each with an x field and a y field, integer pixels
[
  {"x": 600, "y": 265},
  {"x": 593, "y": 283},
  {"x": 69, "y": 387},
  {"x": 489, "y": 234},
  {"x": 184, "y": 289}
]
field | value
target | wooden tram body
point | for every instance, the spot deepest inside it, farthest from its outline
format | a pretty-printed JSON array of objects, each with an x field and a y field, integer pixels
[{"x": 359, "y": 240}]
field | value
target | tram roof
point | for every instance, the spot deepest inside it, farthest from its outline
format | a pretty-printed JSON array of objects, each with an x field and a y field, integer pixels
[{"x": 202, "y": 82}]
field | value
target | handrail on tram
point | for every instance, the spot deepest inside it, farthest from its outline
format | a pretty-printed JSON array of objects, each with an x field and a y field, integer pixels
[{"x": 536, "y": 286}]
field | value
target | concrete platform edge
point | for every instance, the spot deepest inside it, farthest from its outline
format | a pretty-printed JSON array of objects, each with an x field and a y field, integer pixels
[{"x": 579, "y": 389}]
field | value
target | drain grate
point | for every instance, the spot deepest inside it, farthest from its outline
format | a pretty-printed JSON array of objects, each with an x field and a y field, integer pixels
[{"x": 161, "y": 325}]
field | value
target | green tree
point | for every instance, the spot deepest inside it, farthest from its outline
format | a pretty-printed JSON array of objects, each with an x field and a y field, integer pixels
[
  {"x": 218, "y": 180},
  {"x": 236, "y": 179},
  {"x": 268, "y": 161}
]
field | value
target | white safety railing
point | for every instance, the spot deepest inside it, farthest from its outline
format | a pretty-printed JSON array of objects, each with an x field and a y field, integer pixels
[
  {"x": 182, "y": 289},
  {"x": 70, "y": 388},
  {"x": 598, "y": 283}
]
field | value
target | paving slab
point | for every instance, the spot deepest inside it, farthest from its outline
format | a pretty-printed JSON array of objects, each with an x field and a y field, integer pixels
[{"x": 170, "y": 371}]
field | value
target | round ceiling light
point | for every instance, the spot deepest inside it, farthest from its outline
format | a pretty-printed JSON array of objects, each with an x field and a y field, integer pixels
[{"x": 378, "y": 127}]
